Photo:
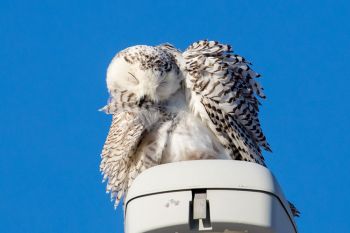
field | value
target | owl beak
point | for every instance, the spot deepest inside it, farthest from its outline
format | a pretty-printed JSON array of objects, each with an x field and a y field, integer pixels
[{"x": 142, "y": 100}]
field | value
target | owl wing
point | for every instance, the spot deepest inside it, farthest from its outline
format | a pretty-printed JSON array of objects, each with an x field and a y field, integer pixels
[
  {"x": 150, "y": 149},
  {"x": 222, "y": 92},
  {"x": 135, "y": 141},
  {"x": 124, "y": 135}
]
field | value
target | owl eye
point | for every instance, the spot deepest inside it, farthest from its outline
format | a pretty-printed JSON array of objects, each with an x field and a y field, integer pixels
[{"x": 133, "y": 79}]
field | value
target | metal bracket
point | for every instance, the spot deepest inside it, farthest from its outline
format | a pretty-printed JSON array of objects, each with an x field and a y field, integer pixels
[
  {"x": 200, "y": 206},
  {"x": 199, "y": 211}
]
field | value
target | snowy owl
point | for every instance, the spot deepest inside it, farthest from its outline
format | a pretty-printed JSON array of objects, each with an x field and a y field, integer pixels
[{"x": 169, "y": 106}]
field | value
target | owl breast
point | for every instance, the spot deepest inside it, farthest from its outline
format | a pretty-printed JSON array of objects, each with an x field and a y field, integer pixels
[{"x": 192, "y": 140}]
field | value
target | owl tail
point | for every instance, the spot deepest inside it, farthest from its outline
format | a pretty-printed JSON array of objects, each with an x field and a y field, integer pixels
[{"x": 295, "y": 211}]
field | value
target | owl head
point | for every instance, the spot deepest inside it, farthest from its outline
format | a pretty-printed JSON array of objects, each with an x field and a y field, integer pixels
[{"x": 146, "y": 71}]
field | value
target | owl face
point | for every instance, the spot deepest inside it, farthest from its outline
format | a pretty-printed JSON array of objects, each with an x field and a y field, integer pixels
[{"x": 148, "y": 72}]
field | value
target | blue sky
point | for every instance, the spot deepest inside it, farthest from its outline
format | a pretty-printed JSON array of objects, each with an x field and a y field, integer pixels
[{"x": 53, "y": 59}]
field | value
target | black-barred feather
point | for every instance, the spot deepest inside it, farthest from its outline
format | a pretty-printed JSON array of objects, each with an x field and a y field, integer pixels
[
  {"x": 124, "y": 135},
  {"x": 226, "y": 87}
]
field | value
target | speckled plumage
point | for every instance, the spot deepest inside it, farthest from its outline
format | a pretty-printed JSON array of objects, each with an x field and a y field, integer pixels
[
  {"x": 223, "y": 91},
  {"x": 170, "y": 106},
  {"x": 140, "y": 80}
]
